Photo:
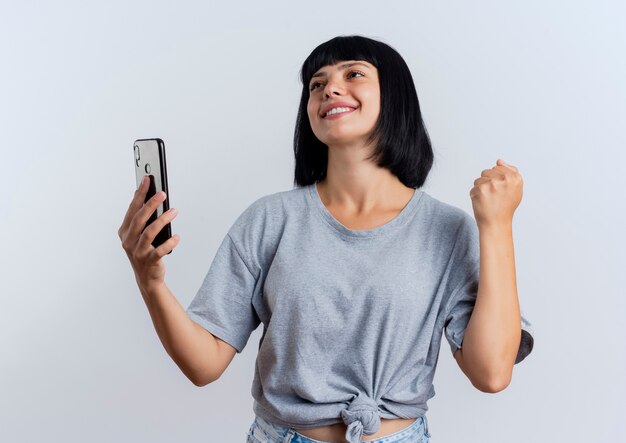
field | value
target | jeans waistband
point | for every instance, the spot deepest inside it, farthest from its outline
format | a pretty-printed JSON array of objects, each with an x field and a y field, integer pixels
[{"x": 281, "y": 434}]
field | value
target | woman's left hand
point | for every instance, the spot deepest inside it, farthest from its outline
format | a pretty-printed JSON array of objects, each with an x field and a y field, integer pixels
[{"x": 496, "y": 195}]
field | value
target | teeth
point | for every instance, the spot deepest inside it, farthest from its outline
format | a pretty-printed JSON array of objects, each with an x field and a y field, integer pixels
[{"x": 337, "y": 111}]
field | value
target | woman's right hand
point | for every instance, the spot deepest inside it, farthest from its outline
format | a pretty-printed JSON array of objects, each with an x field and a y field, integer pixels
[{"x": 145, "y": 259}]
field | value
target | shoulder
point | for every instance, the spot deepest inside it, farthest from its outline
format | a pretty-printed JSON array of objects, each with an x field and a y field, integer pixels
[
  {"x": 258, "y": 229},
  {"x": 281, "y": 199},
  {"x": 261, "y": 223},
  {"x": 445, "y": 215},
  {"x": 271, "y": 207}
]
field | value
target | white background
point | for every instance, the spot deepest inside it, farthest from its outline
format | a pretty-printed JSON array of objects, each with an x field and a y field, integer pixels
[{"x": 539, "y": 84}]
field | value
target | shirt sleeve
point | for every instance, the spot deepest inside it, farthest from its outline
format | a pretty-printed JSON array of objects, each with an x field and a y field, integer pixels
[
  {"x": 223, "y": 304},
  {"x": 464, "y": 275}
]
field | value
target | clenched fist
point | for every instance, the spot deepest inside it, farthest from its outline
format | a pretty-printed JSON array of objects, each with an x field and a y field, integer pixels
[{"x": 496, "y": 195}]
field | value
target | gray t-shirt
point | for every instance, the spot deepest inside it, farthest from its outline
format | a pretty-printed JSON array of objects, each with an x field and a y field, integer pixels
[{"x": 352, "y": 319}]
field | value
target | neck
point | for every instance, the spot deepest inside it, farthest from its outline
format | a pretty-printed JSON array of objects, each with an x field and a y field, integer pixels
[{"x": 360, "y": 186}]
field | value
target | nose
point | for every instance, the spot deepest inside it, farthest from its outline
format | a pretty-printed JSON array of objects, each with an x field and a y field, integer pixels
[{"x": 333, "y": 87}]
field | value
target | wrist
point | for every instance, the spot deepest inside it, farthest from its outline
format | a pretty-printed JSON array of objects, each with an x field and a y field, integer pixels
[
  {"x": 150, "y": 290},
  {"x": 496, "y": 226}
]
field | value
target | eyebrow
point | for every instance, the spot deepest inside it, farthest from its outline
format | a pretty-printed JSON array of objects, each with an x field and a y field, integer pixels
[{"x": 341, "y": 67}]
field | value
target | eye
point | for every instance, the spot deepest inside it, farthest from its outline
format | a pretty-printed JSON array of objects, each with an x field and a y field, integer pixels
[
  {"x": 356, "y": 72},
  {"x": 314, "y": 85}
]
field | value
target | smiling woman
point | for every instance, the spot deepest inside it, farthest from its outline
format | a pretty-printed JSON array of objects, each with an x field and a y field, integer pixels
[{"x": 357, "y": 274}]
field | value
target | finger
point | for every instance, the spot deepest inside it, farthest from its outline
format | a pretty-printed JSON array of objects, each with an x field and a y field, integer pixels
[
  {"x": 150, "y": 233},
  {"x": 165, "y": 248},
  {"x": 136, "y": 202},
  {"x": 494, "y": 173},
  {"x": 505, "y": 164},
  {"x": 501, "y": 171},
  {"x": 139, "y": 220},
  {"x": 155, "y": 227},
  {"x": 481, "y": 180},
  {"x": 507, "y": 171}
]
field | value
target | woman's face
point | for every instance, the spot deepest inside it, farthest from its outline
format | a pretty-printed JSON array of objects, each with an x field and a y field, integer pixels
[{"x": 353, "y": 84}]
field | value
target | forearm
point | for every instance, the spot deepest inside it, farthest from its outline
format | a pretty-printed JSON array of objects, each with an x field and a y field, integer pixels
[
  {"x": 493, "y": 334},
  {"x": 191, "y": 347}
]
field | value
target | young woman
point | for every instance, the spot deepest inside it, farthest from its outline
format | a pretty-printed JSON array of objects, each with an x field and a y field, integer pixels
[{"x": 356, "y": 273}]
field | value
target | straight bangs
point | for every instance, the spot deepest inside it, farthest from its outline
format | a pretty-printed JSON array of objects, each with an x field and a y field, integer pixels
[{"x": 335, "y": 51}]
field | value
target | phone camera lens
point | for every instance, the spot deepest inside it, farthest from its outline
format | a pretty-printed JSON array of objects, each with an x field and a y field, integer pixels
[
  {"x": 137, "y": 156},
  {"x": 147, "y": 168}
]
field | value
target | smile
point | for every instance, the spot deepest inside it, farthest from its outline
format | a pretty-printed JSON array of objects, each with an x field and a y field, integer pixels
[{"x": 337, "y": 113}]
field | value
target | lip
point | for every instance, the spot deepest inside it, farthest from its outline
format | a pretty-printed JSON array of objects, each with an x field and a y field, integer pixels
[
  {"x": 335, "y": 116},
  {"x": 337, "y": 105}
]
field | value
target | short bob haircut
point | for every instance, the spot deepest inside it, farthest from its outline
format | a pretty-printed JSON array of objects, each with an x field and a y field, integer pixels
[{"x": 404, "y": 146}]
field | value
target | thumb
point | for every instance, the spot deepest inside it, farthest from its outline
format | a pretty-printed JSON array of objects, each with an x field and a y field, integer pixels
[{"x": 501, "y": 162}]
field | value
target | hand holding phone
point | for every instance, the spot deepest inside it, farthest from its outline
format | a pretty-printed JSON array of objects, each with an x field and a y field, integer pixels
[{"x": 139, "y": 235}]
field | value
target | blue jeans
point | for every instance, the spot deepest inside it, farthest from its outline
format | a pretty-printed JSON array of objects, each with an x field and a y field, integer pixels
[{"x": 262, "y": 431}]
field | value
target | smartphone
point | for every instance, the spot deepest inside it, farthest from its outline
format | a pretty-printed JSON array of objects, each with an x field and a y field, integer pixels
[{"x": 150, "y": 161}]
